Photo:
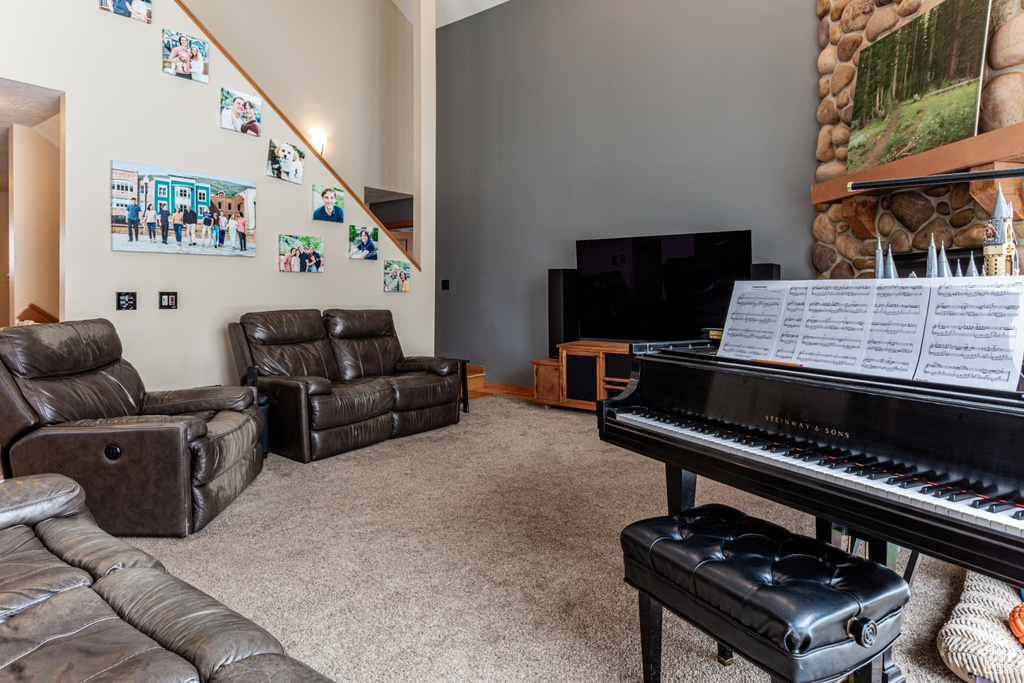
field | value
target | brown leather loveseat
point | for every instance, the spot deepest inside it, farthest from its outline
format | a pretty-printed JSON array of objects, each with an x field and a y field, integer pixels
[
  {"x": 78, "y": 605},
  {"x": 160, "y": 463},
  {"x": 340, "y": 381}
]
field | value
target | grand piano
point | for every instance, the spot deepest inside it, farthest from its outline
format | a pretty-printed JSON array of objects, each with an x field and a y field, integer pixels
[{"x": 933, "y": 468}]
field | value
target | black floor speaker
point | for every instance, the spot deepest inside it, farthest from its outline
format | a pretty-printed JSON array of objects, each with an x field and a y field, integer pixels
[
  {"x": 765, "y": 271},
  {"x": 563, "y": 308}
]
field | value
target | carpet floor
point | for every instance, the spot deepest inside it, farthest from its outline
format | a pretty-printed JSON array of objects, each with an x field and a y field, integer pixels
[{"x": 484, "y": 551}]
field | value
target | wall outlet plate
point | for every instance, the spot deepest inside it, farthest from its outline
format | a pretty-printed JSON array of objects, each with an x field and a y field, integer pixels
[
  {"x": 168, "y": 300},
  {"x": 444, "y": 284},
  {"x": 126, "y": 301}
]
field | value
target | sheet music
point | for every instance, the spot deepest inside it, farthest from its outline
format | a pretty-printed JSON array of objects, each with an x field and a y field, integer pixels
[
  {"x": 896, "y": 329},
  {"x": 966, "y": 331},
  {"x": 755, "y": 314},
  {"x": 834, "y": 333},
  {"x": 973, "y": 337}
]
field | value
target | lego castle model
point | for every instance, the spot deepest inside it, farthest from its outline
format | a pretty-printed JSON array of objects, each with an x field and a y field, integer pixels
[{"x": 1000, "y": 245}]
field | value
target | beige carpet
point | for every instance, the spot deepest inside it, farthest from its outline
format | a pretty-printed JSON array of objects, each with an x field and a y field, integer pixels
[{"x": 486, "y": 551}]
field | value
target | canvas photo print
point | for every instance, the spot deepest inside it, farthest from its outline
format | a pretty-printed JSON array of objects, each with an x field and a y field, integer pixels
[
  {"x": 362, "y": 243},
  {"x": 240, "y": 112},
  {"x": 141, "y": 10},
  {"x": 919, "y": 87},
  {"x": 285, "y": 160},
  {"x": 186, "y": 57},
  {"x": 300, "y": 254},
  {"x": 328, "y": 203},
  {"x": 397, "y": 275},
  {"x": 168, "y": 211}
]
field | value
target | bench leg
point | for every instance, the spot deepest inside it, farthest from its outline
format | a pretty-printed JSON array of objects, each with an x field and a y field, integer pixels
[
  {"x": 881, "y": 669},
  {"x": 725, "y": 656},
  {"x": 650, "y": 638}
]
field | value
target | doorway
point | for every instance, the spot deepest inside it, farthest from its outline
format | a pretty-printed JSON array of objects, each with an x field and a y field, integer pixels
[{"x": 30, "y": 202}]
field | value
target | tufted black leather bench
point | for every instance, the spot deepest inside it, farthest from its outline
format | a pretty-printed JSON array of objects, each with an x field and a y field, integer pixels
[{"x": 802, "y": 610}]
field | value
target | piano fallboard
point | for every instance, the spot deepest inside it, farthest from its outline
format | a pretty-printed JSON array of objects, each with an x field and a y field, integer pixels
[{"x": 964, "y": 436}]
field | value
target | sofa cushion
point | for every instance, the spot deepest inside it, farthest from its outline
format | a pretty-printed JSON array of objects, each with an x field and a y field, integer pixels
[
  {"x": 183, "y": 619},
  {"x": 229, "y": 439},
  {"x": 415, "y": 390},
  {"x": 364, "y": 342},
  {"x": 31, "y": 574},
  {"x": 351, "y": 401},
  {"x": 289, "y": 343},
  {"x": 75, "y": 636},
  {"x": 30, "y": 500},
  {"x": 79, "y": 542},
  {"x": 72, "y": 370}
]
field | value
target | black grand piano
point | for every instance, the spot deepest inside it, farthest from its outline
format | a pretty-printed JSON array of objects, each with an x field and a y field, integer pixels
[{"x": 936, "y": 469}]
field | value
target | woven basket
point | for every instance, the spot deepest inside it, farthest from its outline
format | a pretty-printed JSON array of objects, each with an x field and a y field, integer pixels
[{"x": 976, "y": 641}]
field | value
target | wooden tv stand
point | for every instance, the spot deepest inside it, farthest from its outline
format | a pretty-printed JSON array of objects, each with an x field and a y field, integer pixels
[{"x": 583, "y": 373}]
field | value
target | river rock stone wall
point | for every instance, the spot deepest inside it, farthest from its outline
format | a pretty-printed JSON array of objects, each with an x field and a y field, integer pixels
[{"x": 906, "y": 220}]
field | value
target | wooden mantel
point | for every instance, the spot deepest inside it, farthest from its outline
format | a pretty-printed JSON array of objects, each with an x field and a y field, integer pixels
[{"x": 1005, "y": 144}]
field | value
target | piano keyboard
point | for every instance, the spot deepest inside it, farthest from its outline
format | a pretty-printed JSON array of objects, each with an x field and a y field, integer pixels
[{"x": 929, "y": 491}]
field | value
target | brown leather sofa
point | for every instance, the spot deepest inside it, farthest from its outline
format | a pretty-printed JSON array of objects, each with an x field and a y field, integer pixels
[
  {"x": 78, "y": 605},
  {"x": 159, "y": 463},
  {"x": 340, "y": 381}
]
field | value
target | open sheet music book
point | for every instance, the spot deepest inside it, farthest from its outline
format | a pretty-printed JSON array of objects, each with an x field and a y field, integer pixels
[{"x": 961, "y": 331}]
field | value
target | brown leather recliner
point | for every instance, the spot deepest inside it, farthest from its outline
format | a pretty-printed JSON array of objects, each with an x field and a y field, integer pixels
[
  {"x": 340, "y": 381},
  {"x": 152, "y": 463}
]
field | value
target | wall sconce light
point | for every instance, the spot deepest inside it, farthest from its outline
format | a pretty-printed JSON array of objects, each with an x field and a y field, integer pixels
[{"x": 319, "y": 141}]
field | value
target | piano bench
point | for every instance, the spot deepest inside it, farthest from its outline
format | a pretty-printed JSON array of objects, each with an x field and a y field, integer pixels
[{"x": 800, "y": 609}]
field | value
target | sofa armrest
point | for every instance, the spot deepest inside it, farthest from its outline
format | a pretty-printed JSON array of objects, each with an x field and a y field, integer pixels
[
  {"x": 30, "y": 500},
  {"x": 438, "y": 366},
  {"x": 136, "y": 475},
  {"x": 177, "y": 401},
  {"x": 288, "y": 416},
  {"x": 267, "y": 667}
]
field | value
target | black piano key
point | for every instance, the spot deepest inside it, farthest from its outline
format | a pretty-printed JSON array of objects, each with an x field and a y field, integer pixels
[{"x": 957, "y": 496}]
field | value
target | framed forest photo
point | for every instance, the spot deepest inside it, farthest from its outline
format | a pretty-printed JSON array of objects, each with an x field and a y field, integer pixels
[{"x": 919, "y": 87}]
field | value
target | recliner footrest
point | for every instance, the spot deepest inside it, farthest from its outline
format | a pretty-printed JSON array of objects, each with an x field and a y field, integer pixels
[{"x": 787, "y": 603}]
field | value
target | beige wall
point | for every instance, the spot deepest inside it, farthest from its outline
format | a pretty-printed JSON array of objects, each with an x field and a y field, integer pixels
[
  {"x": 34, "y": 221},
  {"x": 5, "y": 288},
  {"x": 119, "y": 106},
  {"x": 350, "y": 75}
]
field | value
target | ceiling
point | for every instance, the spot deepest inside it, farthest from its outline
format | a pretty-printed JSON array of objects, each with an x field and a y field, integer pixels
[
  {"x": 25, "y": 105},
  {"x": 450, "y": 11}
]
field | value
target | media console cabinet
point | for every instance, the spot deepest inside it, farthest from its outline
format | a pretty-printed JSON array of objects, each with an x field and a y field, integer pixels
[{"x": 583, "y": 373}]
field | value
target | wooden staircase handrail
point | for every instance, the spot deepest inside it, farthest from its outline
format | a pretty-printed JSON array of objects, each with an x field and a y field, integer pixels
[
  {"x": 287, "y": 121},
  {"x": 37, "y": 315}
]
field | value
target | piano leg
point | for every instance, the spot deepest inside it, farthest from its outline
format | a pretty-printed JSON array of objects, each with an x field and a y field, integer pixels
[
  {"x": 829, "y": 532},
  {"x": 682, "y": 489}
]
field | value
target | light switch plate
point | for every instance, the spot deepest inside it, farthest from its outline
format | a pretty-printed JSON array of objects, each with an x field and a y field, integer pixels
[
  {"x": 126, "y": 301},
  {"x": 168, "y": 300}
]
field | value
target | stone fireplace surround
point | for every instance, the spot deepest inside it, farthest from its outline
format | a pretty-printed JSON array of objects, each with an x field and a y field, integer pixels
[{"x": 906, "y": 220}]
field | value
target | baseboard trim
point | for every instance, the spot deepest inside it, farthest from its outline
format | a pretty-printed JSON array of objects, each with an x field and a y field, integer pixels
[{"x": 510, "y": 390}]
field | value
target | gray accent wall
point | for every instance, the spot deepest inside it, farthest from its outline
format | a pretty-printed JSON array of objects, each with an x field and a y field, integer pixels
[{"x": 561, "y": 120}]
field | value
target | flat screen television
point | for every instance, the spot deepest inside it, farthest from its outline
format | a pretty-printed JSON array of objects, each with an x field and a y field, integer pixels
[{"x": 659, "y": 288}]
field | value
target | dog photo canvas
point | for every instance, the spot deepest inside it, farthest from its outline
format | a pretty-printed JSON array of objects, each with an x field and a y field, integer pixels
[
  {"x": 186, "y": 57},
  {"x": 285, "y": 161}
]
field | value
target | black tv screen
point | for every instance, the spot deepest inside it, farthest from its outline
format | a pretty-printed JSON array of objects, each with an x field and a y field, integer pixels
[{"x": 659, "y": 288}]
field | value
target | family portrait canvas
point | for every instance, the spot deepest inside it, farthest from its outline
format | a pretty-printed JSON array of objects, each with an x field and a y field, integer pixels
[
  {"x": 168, "y": 211},
  {"x": 186, "y": 57},
  {"x": 919, "y": 87},
  {"x": 141, "y": 10},
  {"x": 397, "y": 275},
  {"x": 285, "y": 160},
  {"x": 240, "y": 112},
  {"x": 328, "y": 203},
  {"x": 362, "y": 243},
  {"x": 300, "y": 254}
]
